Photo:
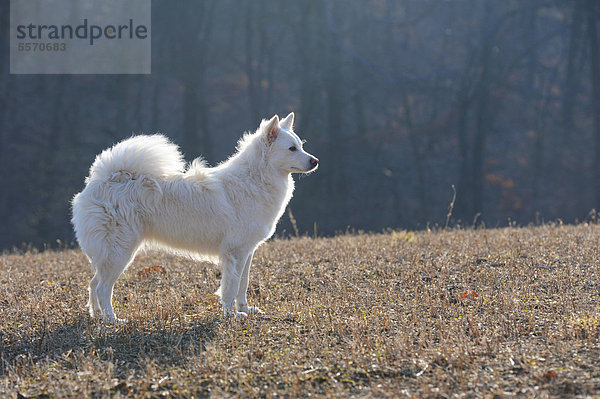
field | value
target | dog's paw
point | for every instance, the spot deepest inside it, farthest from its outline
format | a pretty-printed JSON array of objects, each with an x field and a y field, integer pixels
[
  {"x": 250, "y": 309},
  {"x": 95, "y": 313},
  {"x": 112, "y": 320},
  {"x": 254, "y": 310},
  {"x": 227, "y": 312}
]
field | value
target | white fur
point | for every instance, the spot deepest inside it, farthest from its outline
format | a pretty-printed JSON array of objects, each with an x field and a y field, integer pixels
[{"x": 139, "y": 192}]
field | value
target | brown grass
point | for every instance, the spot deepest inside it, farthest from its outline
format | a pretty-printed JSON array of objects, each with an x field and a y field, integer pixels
[{"x": 475, "y": 313}]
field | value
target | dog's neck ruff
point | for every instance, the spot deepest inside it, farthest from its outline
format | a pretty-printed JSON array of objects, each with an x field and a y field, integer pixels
[{"x": 250, "y": 171}]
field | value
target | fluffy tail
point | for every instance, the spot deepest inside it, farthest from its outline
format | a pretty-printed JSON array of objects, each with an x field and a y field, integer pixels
[{"x": 152, "y": 156}]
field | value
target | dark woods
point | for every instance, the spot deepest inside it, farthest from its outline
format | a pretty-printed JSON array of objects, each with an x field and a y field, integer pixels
[{"x": 400, "y": 100}]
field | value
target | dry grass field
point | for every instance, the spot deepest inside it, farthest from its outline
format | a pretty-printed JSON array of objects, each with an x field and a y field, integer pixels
[{"x": 456, "y": 313}]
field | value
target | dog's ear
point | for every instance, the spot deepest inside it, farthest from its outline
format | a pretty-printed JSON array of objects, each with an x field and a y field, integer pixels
[
  {"x": 272, "y": 129},
  {"x": 287, "y": 122}
]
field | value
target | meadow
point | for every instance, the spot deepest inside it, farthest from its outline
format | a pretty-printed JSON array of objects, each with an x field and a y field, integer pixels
[{"x": 442, "y": 313}]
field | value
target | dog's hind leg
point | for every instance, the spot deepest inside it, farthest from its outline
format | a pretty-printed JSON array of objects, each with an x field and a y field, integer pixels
[
  {"x": 93, "y": 304},
  {"x": 232, "y": 267},
  {"x": 242, "y": 302},
  {"x": 109, "y": 271}
]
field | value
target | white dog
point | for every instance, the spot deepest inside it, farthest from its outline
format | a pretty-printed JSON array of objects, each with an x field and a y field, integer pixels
[{"x": 140, "y": 193}]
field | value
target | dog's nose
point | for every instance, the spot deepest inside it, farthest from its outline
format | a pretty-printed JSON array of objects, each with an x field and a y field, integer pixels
[{"x": 314, "y": 162}]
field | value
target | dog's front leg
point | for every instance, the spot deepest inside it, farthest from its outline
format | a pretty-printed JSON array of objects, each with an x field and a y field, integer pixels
[
  {"x": 242, "y": 303},
  {"x": 232, "y": 267}
]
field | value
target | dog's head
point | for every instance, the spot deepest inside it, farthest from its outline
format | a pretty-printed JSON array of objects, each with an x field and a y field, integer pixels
[{"x": 285, "y": 147}]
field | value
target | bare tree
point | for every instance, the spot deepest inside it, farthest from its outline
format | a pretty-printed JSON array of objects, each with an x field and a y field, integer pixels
[{"x": 594, "y": 43}]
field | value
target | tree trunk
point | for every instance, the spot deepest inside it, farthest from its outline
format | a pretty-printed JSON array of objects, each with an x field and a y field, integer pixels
[
  {"x": 595, "y": 76},
  {"x": 190, "y": 116},
  {"x": 572, "y": 78}
]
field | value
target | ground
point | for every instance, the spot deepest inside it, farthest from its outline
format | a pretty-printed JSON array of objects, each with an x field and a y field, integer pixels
[{"x": 446, "y": 313}]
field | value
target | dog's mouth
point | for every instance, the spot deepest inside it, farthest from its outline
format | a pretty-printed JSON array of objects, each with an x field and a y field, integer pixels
[{"x": 293, "y": 169}]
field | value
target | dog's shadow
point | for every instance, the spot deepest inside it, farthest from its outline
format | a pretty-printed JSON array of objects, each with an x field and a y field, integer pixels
[{"x": 168, "y": 343}]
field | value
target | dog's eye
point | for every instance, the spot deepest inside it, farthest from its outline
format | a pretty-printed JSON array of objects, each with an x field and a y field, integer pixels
[{"x": 292, "y": 148}]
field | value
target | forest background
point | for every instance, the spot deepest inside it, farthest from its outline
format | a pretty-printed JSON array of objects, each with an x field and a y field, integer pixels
[{"x": 401, "y": 100}]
